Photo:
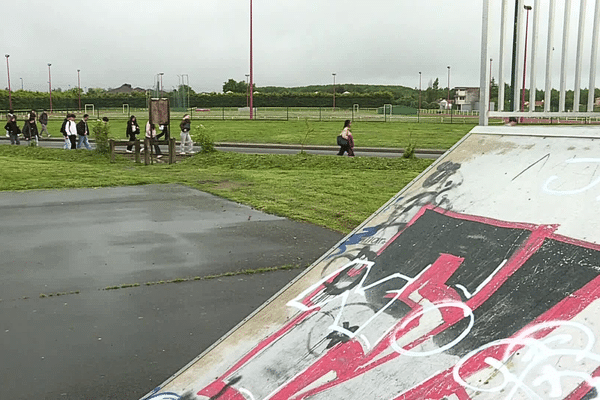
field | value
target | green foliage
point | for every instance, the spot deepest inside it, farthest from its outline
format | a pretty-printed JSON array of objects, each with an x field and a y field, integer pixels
[
  {"x": 236, "y": 87},
  {"x": 205, "y": 139},
  {"x": 409, "y": 151},
  {"x": 101, "y": 131}
]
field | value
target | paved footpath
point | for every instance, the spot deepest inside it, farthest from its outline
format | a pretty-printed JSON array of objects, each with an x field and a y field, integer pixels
[{"x": 64, "y": 336}]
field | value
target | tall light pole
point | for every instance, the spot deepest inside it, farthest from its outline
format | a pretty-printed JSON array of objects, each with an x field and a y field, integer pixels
[
  {"x": 185, "y": 79},
  {"x": 251, "y": 70},
  {"x": 21, "y": 83},
  {"x": 79, "y": 89},
  {"x": 8, "y": 73},
  {"x": 50, "y": 86},
  {"x": 528, "y": 8},
  {"x": 247, "y": 76},
  {"x": 161, "y": 83},
  {"x": 333, "y": 90},
  {"x": 448, "y": 99}
]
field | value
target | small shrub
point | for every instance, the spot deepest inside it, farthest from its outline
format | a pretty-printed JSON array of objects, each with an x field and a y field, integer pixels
[
  {"x": 409, "y": 151},
  {"x": 205, "y": 139},
  {"x": 100, "y": 131}
]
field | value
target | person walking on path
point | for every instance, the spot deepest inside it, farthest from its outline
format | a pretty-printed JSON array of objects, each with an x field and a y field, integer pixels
[
  {"x": 30, "y": 130},
  {"x": 13, "y": 130},
  {"x": 133, "y": 129},
  {"x": 185, "y": 126},
  {"x": 347, "y": 135},
  {"x": 9, "y": 116},
  {"x": 83, "y": 132},
  {"x": 151, "y": 134},
  {"x": 71, "y": 133},
  {"x": 44, "y": 122}
]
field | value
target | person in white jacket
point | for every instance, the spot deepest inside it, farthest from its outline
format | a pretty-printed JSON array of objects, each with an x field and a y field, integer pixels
[
  {"x": 71, "y": 129},
  {"x": 151, "y": 134}
]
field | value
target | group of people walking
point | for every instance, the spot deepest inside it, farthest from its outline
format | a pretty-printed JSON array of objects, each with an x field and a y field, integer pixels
[
  {"x": 133, "y": 129},
  {"x": 72, "y": 130},
  {"x": 29, "y": 129}
]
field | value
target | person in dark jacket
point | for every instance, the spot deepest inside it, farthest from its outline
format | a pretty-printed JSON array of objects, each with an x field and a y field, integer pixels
[
  {"x": 44, "y": 122},
  {"x": 83, "y": 132},
  {"x": 30, "y": 130},
  {"x": 13, "y": 130},
  {"x": 133, "y": 129}
]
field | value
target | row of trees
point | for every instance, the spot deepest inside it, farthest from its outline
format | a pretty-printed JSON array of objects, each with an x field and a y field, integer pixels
[{"x": 235, "y": 95}]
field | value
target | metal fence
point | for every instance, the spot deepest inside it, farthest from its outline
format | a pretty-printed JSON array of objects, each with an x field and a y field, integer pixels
[{"x": 525, "y": 66}]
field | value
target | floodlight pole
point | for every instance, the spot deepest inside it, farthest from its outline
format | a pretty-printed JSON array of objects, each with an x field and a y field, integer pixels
[
  {"x": 161, "y": 83},
  {"x": 251, "y": 70},
  {"x": 79, "y": 89},
  {"x": 9, "y": 91},
  {"x": 50, "y": 86},
  {"x": 21, "y": 83},
  {"x": 333, "y": 90}
]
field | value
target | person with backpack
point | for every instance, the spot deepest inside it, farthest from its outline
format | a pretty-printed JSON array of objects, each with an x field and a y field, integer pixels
[
  {"x": 30, "y": 130},
  {"x": 13, "y": 130},
  {"x": 63, "y": 130}
]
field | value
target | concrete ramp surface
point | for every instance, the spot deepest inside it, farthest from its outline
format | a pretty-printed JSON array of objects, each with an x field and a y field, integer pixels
[{"x": 479, "y": 280}]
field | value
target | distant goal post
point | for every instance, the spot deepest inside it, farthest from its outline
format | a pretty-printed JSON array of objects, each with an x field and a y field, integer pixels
[{"x": 87, "y": 107}]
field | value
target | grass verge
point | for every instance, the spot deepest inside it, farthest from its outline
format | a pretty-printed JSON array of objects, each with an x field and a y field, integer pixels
[{"x": 330, "y": 191}]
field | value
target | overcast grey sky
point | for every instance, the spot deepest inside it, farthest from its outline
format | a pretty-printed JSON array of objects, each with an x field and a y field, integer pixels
[{"x": 296, "y": 42}]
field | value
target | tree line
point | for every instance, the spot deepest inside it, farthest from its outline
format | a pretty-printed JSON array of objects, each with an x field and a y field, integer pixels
[{"x": 235, "y": 94}]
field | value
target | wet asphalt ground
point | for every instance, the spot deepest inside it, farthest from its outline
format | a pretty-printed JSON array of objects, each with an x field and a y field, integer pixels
[{"x": 90, "y": 307}]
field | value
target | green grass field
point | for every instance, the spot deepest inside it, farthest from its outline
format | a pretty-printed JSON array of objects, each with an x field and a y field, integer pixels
[
  {"x": 330, "y": 191},
  {"x": 366, "y": 134}
]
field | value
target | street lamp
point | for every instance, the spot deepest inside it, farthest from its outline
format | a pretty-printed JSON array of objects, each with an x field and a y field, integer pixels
[
  {"x": 161, "y": 83},
  {"x": 79, "y": 89},
  {"x": 251, "y": 70},
  {"x": 50, "y": 86},
  {"x": 448, "y": 99},
  {"x": 528, "y": 8},
  {"x": 8, "y": 73},
  {"x": 333, "y": 90}
]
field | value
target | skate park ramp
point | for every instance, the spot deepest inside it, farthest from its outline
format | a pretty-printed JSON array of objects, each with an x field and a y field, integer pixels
[{"x": 479, "y": 280}]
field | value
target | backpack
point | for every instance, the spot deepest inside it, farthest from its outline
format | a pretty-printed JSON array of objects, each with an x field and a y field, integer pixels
[{"x": 63, "y": 128}]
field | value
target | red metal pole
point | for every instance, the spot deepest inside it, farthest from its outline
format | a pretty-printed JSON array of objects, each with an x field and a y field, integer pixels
[
  {"x": 251, "y": 70},
  {"x": 9, "y": 91}
]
